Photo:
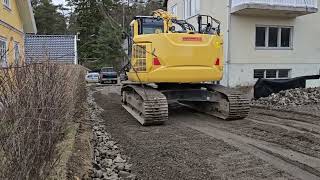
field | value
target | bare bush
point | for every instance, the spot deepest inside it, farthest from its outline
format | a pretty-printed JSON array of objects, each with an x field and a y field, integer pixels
[{"x": 37, "y": 102}]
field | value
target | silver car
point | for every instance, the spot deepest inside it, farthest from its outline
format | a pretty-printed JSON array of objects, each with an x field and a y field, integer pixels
[{"x": 92, "y": 78}]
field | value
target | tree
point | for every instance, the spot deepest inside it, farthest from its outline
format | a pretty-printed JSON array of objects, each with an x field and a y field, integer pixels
[
  {"x": 108, "y": 47},
  {"x": 100, "y": 26},
  {"x": 48, "y": 18}
]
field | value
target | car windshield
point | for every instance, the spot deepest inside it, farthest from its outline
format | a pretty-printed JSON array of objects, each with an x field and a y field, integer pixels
[{"x": 107, "y": 70}]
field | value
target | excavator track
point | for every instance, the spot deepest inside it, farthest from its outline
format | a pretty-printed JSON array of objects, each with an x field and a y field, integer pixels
[
  {"x": 146, "y": 104},
  {"x": 224, "y": 103},
  {"x": 237, "y": 107}
]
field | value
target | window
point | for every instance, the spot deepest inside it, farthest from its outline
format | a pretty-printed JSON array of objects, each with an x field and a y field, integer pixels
[
  {"x": 174, "y": 10},
  {"x": 16, "y": 53},
  {"x": 283, "y": 73},
  {"x": 150, "y": 26},
  {"x": 258, "y": 73},
  {"x": 186, "y": 9},
  {"x": 108, "y": 69},
  {"x": 191, "y": 8},
  {"x": 274, "y": 37},
  {"x": 285, "y": 37},
  {"x": 260, "y": 36},
  {"x": 271, "y": 73},
  {"x": 6, "y": 3},
  {"x": 3, "y": 52}
]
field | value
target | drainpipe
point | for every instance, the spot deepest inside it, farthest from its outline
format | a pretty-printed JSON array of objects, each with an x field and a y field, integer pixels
[{"x": 228, "y": 53}]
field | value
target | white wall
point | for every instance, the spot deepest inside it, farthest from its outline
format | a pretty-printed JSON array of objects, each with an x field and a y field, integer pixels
[
  {"x": 215, "y": 8},
  {"x": 242, "y": 74},
  {"x": 179, "y": 6},
  {"x": 306, "y": 46},
  {"x": 303, "y": 59}
]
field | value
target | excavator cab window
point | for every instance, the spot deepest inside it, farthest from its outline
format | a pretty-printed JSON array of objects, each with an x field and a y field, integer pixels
[
  {"x": 208, "y": 25},
  {"x": 150, "y": 25}
]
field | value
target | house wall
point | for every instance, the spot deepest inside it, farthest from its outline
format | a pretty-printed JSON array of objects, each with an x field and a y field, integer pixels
[
  {"x": 11, "y": 28},
  {"x": 302, "y": 59}
]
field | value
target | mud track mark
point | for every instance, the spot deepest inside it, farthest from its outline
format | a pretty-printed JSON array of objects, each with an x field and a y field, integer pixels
[
  {"x": 305, "y": 167},
  {"x": 292, "y": 116},
  {"x": 294, "y": 126}
]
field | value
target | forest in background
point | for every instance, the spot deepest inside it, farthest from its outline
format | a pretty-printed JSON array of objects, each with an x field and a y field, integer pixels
[{"x": 98, "y": 23}]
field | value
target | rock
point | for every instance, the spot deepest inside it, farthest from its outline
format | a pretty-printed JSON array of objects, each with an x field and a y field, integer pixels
[
  {"x": 96, "y": 165},
  {"x": 110, "y": 144},
  {"x": 106, "y": 163},
  {"x": 127, "y": 167},
  {"x": 98, "y": 133},
  {"x": 120, "y": 166},
  {"x": 291, "y": 97},
  {"x": 109, "y": 171},
  {"x": 112, "y": 177},
  {"x": 118, "y": 159},
  {"x": 96, "y": 153},
  {"x": 131, "y": 177},
  {"x": 98, "y": 174},
  {"x": 124, "y": 174}
]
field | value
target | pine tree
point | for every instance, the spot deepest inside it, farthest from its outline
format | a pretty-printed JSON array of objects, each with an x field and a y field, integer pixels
[
  {"x": 48, "y": 18},
  {"x": 109, "y": 45}
]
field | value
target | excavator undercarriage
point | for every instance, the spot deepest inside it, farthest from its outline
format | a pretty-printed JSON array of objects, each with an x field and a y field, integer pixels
[{"x": 149, "y": 103}]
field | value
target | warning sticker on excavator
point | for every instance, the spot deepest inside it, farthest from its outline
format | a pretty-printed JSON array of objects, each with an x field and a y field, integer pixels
[{"x": 192, "y": 39}]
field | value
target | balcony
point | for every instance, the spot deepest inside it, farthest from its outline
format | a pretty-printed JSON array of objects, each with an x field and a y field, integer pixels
[{"x": 279, "y": 8}]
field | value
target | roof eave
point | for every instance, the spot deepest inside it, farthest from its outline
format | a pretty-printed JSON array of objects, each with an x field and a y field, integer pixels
[
  {"x": 33, "y": 22},
  {"x": 27, "y": 17}
]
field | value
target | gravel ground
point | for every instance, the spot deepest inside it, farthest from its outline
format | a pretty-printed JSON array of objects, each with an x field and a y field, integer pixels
[{"x": 189, "y": 145}]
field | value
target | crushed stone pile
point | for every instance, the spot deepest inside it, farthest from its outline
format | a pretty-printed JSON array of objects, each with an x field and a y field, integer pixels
[
  {"x": 291, "y": 97},
  {"x": 108, "y": 163}
]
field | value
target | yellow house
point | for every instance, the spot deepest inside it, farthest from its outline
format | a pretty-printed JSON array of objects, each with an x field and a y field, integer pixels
[{"x": 16, "y": 19}]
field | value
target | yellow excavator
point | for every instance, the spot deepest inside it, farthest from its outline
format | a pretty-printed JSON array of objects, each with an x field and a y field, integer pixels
[{"x": 172, "y": 61}]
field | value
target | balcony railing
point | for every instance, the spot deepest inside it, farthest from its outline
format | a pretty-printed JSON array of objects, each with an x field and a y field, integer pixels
[{"x": 279, "y": 7}]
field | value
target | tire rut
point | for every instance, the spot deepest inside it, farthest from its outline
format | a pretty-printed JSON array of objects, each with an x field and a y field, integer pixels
[
  {"x": 291, "y": 116},
  {"x": 290, "y": 126},
  {"x": 266, "y": 151}
]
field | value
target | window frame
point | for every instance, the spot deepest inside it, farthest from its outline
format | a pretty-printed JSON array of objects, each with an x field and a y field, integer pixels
[
  {"x": 279, "y": 38},
  {"x": 186, "y": 11},
  {"x": 191, "y": 8},
  {"x": 16, "y": 58},
  {"x": 3, "y": 61},
  {"x": 277, "y": 73},
  {"x": 6, "y": 5},
  {"x": 174, "y": 9}
]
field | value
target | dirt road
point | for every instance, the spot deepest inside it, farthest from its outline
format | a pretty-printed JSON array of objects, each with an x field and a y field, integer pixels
[{"x": 266, "y": 145}]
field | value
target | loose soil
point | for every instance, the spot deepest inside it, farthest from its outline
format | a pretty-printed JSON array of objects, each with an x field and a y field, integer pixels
[{"x": 266, "y": 145}]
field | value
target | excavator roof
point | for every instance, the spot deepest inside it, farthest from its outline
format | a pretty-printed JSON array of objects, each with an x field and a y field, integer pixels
[{"x": 138, "y": 17}]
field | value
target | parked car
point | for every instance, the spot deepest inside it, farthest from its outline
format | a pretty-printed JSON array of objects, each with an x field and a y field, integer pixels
[
  {"x": 92, "y": 78},
  {"x": 108, "y": 75}
]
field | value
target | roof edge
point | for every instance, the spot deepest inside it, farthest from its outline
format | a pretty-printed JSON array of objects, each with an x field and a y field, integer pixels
[{"x": 33, "y": 21}]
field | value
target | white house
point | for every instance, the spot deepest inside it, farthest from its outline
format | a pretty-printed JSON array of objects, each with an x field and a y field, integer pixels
[{"x": 262, "y": 38}]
